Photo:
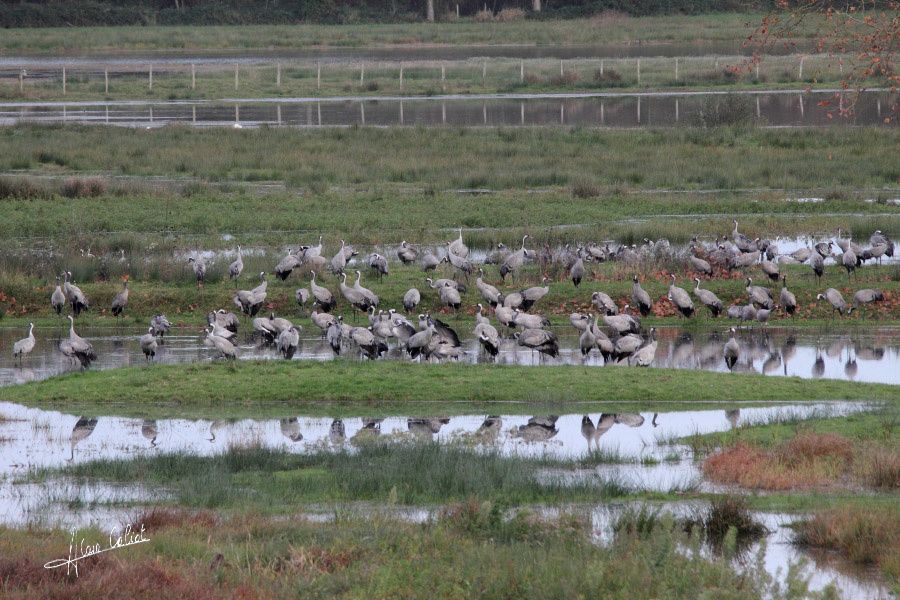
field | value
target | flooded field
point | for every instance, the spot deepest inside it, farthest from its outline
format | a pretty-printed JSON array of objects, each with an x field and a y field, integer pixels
[
  {"x": 621, "y": 110},
  {"x": 871, "y": 356}
]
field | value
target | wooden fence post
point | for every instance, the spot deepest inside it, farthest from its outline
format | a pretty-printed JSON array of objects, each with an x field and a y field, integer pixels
[
  {"x": 522, "y": 71},
  {"x": 639, "y": 74},
  {"x": 318, "y": 76},
  {"x": 278, "y": 76},
  {"x": 193, "y": 76},
  {"x": 21, "y": 80},
  {"x": 150, "y": 82},
  {"x": 362, "y": 73},
  {"x": 64, "y": 81},
  {"x": 401, "y": 76},
  {"x": 236, "y": 79},
  {"x": 106, "y": 81}
]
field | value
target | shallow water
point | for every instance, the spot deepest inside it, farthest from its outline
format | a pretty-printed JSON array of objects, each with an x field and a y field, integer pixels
[
  {"x": 778, "y": 109},
  {"x": 871, "y": 355}
]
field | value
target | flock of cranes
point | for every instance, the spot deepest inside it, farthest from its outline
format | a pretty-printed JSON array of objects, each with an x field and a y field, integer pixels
[{"x": 616, "y": 334}]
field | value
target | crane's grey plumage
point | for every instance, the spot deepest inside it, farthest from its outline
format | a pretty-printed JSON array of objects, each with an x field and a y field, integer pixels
[
  {"x": 622, "y": 324},
  {"x": 407, "y": 253},
  {"x": 377, "y": 263},
  {"x": 199, "y": 266},
  {"x": 626, "y": 346},
  {"x": 120, "y": 301},
  {"x": 287, "y": 265},
  {"x": 450, "y": 297},
  {"x": 321, "y": 295},
  {"x": 301, "y": 295},
  {"x": 580, "y": 321},
  {"x": 836, "y": 300},
  {"x": 75, "y": 296},
  {"x": 760, "y": 297},
  {"x": 458, "y": 247},
  {"x": 353, "y": 296},
  {"x": 541, "y": 340},
  {"x": 848, "y": 261},
  {"x": 411, "y": 299},
  {"x": 818, "y": 265},
  {"x": 368, "y": 294},
  {"x": 251, "y": 301},
  {"x": 577, "y": 271},
  {"x": 77, "y": 347},
  {"x": 430, "y": 262},
  {"x": 371, "y": 347},
  {"x": 58, "y": 298},
  {"x": 148, "y": 344},
  {"x": 531, "y": 295},
  {"x": 527, "y": 321},
  {"x": 604, "y": 303},
  {"x": 160, "y": 325},
  {"x": 237, "y": 267},
  {"x": 700, "y": 265},
  {"x": 731, "y": 351},
  {"x": 334, "y": 336},
  {"x": 708, "y": 299},
  {"x": 460, "y": 264},
  {"x": 640, "y": 297},
  {"x": 217, "y": 322},
  {"x": 770, "y": 269},
  {"x": 786, "y": 298},
  {"x": 24, "y": 346},
  {"x": 287, "y": 342},
  {"x": 645, "y": 355},
  {"x": 680, "y": 298},
  {"x": 490, "y": 293},
  {"x": 865, "y": 296},
  {"x": 224, "y": 347},
  {"x": 515, "y": 260}
]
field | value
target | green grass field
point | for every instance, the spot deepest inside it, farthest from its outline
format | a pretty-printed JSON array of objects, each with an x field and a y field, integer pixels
[
  {"x": 726, "y": 27},
  {"x": 354, "y": 388}
]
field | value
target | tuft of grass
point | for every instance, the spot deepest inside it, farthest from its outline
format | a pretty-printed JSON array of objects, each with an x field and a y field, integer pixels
[
  {"x": 726, "y": 517},
  {"x": 869, "y": 536}
]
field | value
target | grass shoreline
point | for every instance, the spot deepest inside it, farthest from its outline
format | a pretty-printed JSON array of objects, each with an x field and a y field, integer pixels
[{"x": 269, "y": 387}]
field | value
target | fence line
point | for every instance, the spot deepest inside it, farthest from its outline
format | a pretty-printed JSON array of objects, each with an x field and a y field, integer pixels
[{"x": 429, "y": 76}]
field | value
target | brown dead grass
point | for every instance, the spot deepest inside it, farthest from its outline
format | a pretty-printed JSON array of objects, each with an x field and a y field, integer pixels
[
  {"x": 806, "y": 461},
  {"x": 863, "y": 535}
]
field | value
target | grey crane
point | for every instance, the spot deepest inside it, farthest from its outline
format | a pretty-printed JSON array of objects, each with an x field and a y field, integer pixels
[
  {"x": 460, "y": 264},
  {"x": 743, "y": 243},
  {"x": 250, "y": 301},
  {"x": 734, "y": 311},
  {"x": 645, "y": 355},
  {"x": 354, "y": 297},
  {"x": 279, "y": 324},
  {"x": 490, "y": 293},
  {"x": 763, "y": 314},
  {"x": 680, "y": 298},
  {"x": 75, "y": 296},
  {"x": 199, "y": 266},
  {"x": 322, "y": 320},
  {"x": 708, "y": 299},
  {"x": 505, "y": 316},
  {"x": 310, "y": 252},
  {"x": 339, "y": 261},
  {"x": 604, "y": 303},
  {"x": 760, "y": 297},
  {"x": 77, "y": 347},
  {"x": 866, "y": 296},
  {"x": 543, "y": 341},
  {"x": 848, "y": 261},
  {"x": 334, "y": 336},
  {"x": 120, "y": 301},
  {"x": 497, "y": 256},
  {"x": 531, "y": 295},
  {"x": 411, "y": 299},
  {"x": 626, "y": 346},
  {"x": 369, "y": 345},
  {"x": 418, "y": 343},
  {"x": 377, "y": 263},
  {"x": 604, "y": 344},
  {"x": 490, "y": 340},
  {"x": 786, "y": 298},
  {"x": 224, "y": 347},
  {"x": 770, "y": 269},
  {"x": 748, "y": 313},
  {"x": 287, "y": 265},
  {"x": 745, "y": 260},
  {"x": 226, "y": 320},
  {"x": 515, "y": 260},
  {"x": 823, "y": 249},
  {"x": 58, "y": 299},
  {"x": 217, "y": 322},
  {"x": 148, "y": 344},
  {"x": 160, "y": 325},
  {"x": 290, "y": 428},
  {"x": 527, "y": 321},
  {"x": 287, "y": 342},
  {"x": 818, "y": 265},
  {"x": 237, "y": 267},
  {"x": 577, "y": 271},
  {"x": 458, "y": 247},
  {"x": 321, "y": 295},
  {"x": 700, "y": 265},
  {"x": 731, "y": 351},
  {"x": 640, "y": 297},
  {"x": 444, "y": 332},
  {"x": 622, "y": 324},
  {"x": 801, "y": 255},
  {"x": 24, "y": 346},
  {"x": 84, "y": 427},
  {"x": 301, "y": 295},
  {"x": 366, "y": 292},
  {"x": 430, "y": 262},
  {"x": 513, "y": 300},
  {"x": 407, "y": 253},
  {"x": 587, "y": 341},
  {"x": 580, "y": 321},
  {"x": 450, "y": 297},
  {"x": 836, "y": 300},
  {"x": 149, "y": 430}
]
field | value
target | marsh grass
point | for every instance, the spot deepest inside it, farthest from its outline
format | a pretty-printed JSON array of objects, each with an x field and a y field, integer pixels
[
  {"x": 726, "y": 518},
  {"x": 404, "y": 472}
]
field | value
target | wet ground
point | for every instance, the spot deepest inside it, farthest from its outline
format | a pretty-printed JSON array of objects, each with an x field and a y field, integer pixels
[
  {"x": 863, "y": 355},
  {"x": 620, "y": 110},
  {"x": 32, "y": 438}
]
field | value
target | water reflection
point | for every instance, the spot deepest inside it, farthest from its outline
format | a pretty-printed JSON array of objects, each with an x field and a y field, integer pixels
[
  {"x": 869, "y": 355},
  {"x": 773, "y": 108}
]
